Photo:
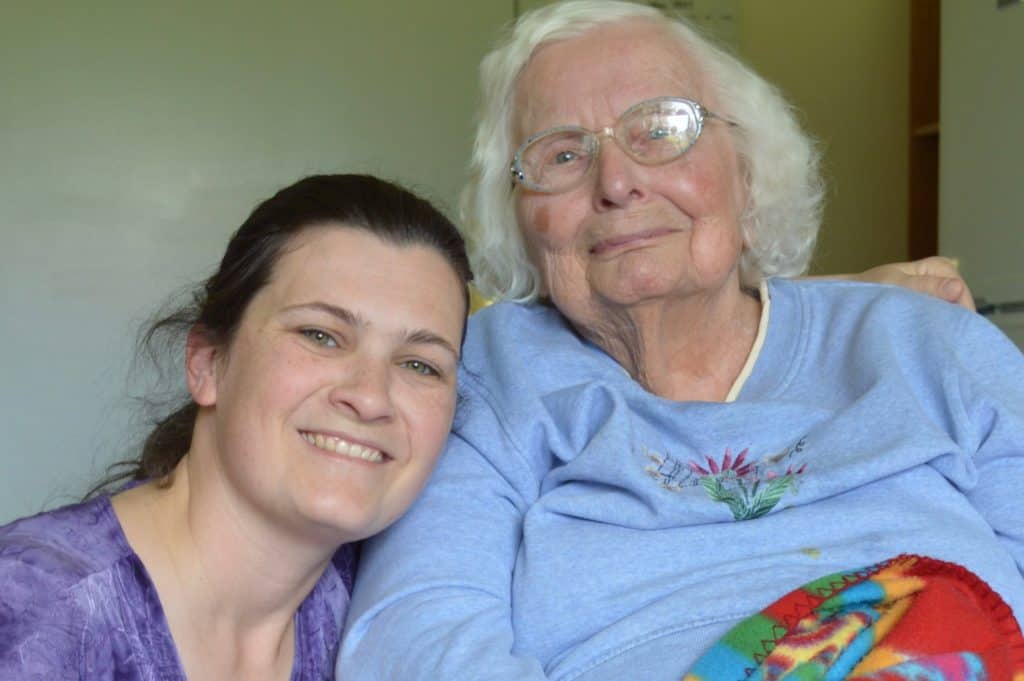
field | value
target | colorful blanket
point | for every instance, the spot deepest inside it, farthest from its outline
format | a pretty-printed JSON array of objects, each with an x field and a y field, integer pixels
[{"x": 910, "y": 617}]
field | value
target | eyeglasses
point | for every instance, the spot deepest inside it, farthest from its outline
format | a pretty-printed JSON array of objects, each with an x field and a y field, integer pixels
[{"x": 652, "y": 132}]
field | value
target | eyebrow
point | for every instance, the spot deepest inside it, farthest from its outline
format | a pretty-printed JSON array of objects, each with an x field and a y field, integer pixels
[{"x": 413, "y": 336}]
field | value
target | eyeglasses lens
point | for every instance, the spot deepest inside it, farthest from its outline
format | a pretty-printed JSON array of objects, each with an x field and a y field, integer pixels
[
  {"x": 660, "y": 131},
  {"x": 559, "y": 159},
  {"x": 652, "y": 133}
]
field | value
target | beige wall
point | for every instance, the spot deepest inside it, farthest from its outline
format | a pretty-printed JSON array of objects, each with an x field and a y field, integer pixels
[{"x": 844, "y": 65}]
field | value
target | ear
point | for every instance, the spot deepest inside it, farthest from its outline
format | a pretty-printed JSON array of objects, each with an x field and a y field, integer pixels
[{"x": 201, "y": 357}]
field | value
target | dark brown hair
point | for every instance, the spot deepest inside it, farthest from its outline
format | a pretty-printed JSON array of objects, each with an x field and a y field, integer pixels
[{"x": 216, "y": 307}]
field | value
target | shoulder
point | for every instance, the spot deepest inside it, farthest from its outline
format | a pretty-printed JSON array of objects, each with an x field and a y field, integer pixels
[
  {"x": 861, "y": 295},
  {"x": 516, "y": 350},
  {"x": 518, "y": 359},
  {"x": 876, "y": 318},
  {"x": 47, "y": 560},
  {"x": 64, "y": 545},
  {"x": 48, "y": 604},
  {"x": 887, "y": 307},
  {"x": 513, "y": 329}
]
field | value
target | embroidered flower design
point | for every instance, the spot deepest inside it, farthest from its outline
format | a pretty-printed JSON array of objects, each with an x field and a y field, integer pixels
[
  {"x": 749, "y": 488},
  {"x": 728, "y": 465}
]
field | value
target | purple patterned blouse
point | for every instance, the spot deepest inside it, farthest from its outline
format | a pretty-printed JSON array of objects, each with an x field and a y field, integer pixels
[{"x": 77, "y": 603}]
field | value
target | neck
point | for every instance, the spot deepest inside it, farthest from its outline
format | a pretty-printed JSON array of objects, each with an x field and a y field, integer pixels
[
  {"x": 687, "y": 348},
  {"x": 254, "y": 569},
  {"x": 230, "y": 581}
]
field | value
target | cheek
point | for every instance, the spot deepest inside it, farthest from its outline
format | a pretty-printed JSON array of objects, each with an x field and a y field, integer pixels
[
  {"x": 713, "y": 196},
  {"x": 539, "y": 218},
  {"x": 714, "y": 189},
  {"x": 732, "y": 189},
  {"x": 542, "y": 220},
  {"x": 272, "y": 384},
  {"x": 552, "y": 228},
  {"x": 534, "y": 219},
  {"x": 707, "y": 188}
]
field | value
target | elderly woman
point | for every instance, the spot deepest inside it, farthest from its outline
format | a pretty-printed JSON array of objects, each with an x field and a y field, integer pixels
[{"x": 657, "y": 439}]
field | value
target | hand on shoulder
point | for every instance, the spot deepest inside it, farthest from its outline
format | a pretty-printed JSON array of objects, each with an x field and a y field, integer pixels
[{"x": 935, "y": 276}]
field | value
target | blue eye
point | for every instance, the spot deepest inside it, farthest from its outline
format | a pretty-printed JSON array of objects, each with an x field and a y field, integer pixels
[
  {"x": 566, "y": 157},
  {"x": 660, "y": 133},
  {"x": 320, "y": 337},
  {"x": 420, "y": 367}
]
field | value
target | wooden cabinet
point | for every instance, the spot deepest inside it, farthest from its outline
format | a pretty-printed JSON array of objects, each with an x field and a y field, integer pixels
[{"x": 923, "y": 198}]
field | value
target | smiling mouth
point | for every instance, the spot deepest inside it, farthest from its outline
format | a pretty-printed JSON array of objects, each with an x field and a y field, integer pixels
[
  {"x": 619, "y": 243},
  {"x": 337, "y": 445}
]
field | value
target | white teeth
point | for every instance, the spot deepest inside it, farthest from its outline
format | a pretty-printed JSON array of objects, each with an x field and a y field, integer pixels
[{"x": 339, "y": 446}]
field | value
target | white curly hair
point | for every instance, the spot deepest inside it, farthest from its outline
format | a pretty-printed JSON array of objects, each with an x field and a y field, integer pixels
[{"x": 779, "y": 161}]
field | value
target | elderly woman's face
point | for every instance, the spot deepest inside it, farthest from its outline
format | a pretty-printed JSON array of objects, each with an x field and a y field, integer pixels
[{"x": 629, "y": 233}]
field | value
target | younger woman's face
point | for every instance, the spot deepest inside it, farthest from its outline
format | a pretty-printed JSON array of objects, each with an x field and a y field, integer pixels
[{"x": 335, "y": 397}]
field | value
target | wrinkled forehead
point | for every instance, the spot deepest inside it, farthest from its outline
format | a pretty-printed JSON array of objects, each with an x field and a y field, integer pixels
[{"x": 591, "y": 79}]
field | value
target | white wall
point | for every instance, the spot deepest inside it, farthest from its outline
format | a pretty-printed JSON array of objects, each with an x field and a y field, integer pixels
[
  {"x": 135, "y": 137},
  {"x": 981, "y": 169}
]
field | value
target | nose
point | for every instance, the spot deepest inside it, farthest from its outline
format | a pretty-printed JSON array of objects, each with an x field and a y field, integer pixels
[
  {"x": 618, "y": 176},
  {"x": 363, "y": 390}
]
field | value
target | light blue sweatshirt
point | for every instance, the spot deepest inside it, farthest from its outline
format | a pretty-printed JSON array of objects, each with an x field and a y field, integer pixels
[{"x": 579, "y": 527}]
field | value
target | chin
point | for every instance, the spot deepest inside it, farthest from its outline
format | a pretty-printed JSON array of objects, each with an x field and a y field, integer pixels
[
  {"x": 343, "y": 520},
  {"x": 638, "y": 285}
]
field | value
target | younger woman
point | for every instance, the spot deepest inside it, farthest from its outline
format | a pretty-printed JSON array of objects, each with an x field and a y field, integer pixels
[{"x": 321, "y": 362}]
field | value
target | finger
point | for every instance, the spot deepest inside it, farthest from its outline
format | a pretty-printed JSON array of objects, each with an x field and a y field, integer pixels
[
  {"x": 956, "y": 291},
  {"x": 950, "y": 289},
  {"x": 941, "y": 266},
  {"x": 945, "y": 288}
]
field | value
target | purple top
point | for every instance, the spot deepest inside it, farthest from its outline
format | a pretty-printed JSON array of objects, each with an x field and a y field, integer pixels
[{"x": 77, "y": 603}]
